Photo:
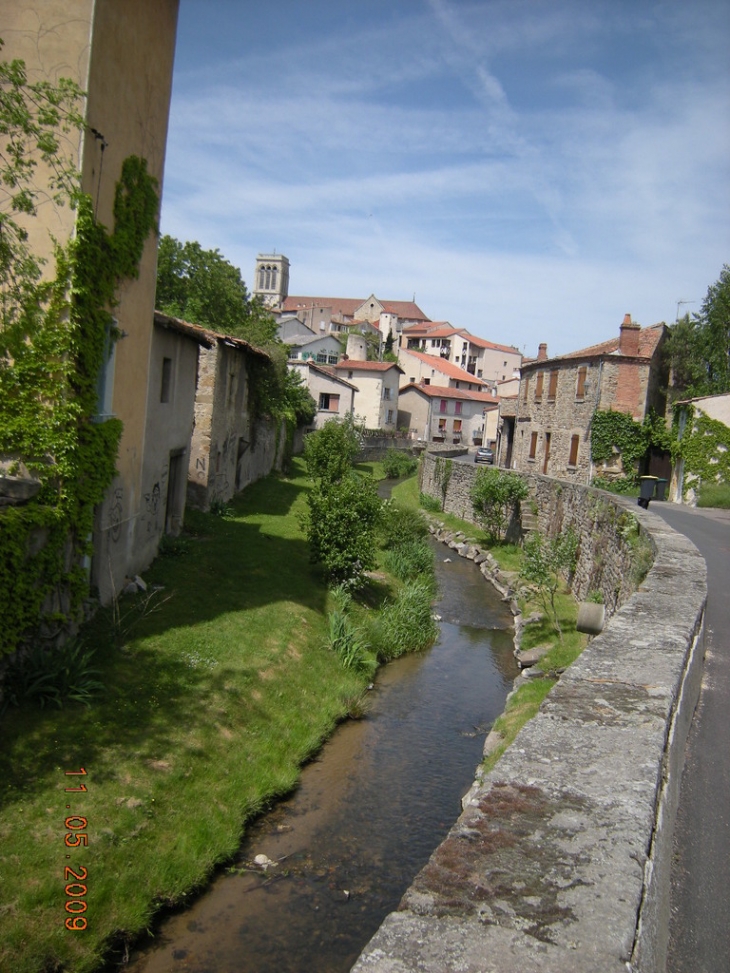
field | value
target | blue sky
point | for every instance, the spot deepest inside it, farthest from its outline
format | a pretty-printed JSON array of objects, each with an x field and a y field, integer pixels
[{"x": 531, "y": 169}]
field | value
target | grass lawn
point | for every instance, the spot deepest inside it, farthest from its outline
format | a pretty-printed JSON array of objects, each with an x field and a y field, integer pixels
[
  {"x": 215, "y": 693},
  {"x": 714, "y": 495}
]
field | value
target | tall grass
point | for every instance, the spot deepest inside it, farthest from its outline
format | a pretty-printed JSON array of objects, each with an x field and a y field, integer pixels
[
  {"x": 714, "y": 495},
  {"x": 405, "y": 624}
]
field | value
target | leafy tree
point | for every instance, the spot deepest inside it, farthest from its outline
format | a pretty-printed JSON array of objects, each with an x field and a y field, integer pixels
[
  {"x": 341, "y": 527},
  {"x": 495, "y": 494},
  {"x": 544, "y": 564},
  {"x": 698, "y": 349},
  {"x": 203, "y": 287},
  {"x": 300, "y": 403},
  {"x": 330, "y": 452}
]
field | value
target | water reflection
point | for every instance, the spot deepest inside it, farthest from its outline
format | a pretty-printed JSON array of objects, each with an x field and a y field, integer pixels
[{"x": 368, "y": 813}]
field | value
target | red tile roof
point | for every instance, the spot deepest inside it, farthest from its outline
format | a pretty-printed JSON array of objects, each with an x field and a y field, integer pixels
[
  {"x": 446, "y": 392},
  {"x": 367, "y": 366},
  {"x": 347, "y": 306},
  {"x": 649, "y": 338},
  {"x": 445, "y": 367}
]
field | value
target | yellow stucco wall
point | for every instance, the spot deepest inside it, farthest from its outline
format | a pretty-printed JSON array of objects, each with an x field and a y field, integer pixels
[{"x": 121, "y": 54}]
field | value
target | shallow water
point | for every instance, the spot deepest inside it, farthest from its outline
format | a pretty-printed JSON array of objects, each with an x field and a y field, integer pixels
[{"x": 369, "y": 810}]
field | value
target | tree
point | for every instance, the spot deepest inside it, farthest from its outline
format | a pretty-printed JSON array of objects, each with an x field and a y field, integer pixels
[
  {"x": 201, "y": 286},
  {"x": 495, "y": 494},
  {"x": 330, "y": 452},
  {"x": 544, "y": 564},
  {"x": 698, "y": 349},
  {"x": 341, "y": 527}
]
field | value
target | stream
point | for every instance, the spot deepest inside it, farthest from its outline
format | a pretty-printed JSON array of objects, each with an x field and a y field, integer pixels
[{"x": 369, "y": 811}]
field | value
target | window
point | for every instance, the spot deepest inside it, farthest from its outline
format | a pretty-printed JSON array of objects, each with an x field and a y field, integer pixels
[
  {"x": 332, "y": 359},
  {"x": 389, "y": 417},
  {"x": 442, "y": 426},
  {"x": 458, "y": 407},
  {"x": 427, "y": 381},
  {"x": 166, "y": 384},
  {"x": 412, "y": 379},
  {"x": 553, "y": 386},
  {"x": 538, "y": 386},
  {"x": 457, "y": 425},
  {"x": 533, "y": 445},
  {"x": 321, "y": 357},
  {"x": 386, "y": 392},
  {"x": 573, "y": 458},
  {"x": 442, "y": 407},
  {"x": 580, "y": 388},
  {"x": 329, "y": 402}
]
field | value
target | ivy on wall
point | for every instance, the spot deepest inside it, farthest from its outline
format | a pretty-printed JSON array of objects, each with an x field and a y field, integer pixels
[
  {"x": 49, "y": 368},
  {"x": 617, "y": 431},
  {"x": 705, "y": 448}
]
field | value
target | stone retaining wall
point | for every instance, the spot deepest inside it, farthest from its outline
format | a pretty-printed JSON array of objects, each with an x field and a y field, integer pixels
[{"x": 560, "y": 861}]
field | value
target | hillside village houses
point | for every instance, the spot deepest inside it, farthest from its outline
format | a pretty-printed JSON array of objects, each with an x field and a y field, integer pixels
[
  {"x": 484, "y": 359},
  {"x": 546, "y": 427}
]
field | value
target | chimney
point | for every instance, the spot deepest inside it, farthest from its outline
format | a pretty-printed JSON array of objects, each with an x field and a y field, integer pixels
[
  {"x": 628, "y": 342},
  {"x": 542, "y": 352}
]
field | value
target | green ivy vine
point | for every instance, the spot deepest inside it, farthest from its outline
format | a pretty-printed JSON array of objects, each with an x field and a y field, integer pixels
[
  {"x": 50, "y": 361},
  {"x": 618, "y": 431},
  {"x": 705, "y": 448},
  {"x": 442, "y": 471}
]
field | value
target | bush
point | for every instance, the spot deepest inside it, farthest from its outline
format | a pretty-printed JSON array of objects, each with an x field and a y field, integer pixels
[
  {"x": 544, "y": 564},
  {"x": 397, "y": 464},
  {"x": 399, "y": 525},
  {"x": 625, "y": 486},
  {"x": 405, "y": 625},
  {"x": 429, "y": 503},
  {"x": 409, "y": 560},
  {"x": 341, "y": 526},
  {"x": 495, "y": 495},
  {"x": 349, "y": 643},
  {"x": 330, "y": 452},
  {"x": 51, "y": 676}
]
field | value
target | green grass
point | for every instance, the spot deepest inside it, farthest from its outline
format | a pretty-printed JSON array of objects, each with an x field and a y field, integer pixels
[
  {"x": 217, "y": 688},
  {"x": 714, "y": 495}
]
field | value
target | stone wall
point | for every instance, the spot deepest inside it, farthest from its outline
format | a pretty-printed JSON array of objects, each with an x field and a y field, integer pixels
[
  {"x": 610, "y": 536},
  {"x": 560, "y": 862}
]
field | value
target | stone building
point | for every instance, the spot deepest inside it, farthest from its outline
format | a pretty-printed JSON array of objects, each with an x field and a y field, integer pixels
[
  {"x": 546, "y": 428},
  {"x": 271, "y": 279}
]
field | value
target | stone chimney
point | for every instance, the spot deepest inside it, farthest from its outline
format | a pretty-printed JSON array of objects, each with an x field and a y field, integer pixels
[
  {"x": 628, "y": 342},
  {"x": 542, "y": 352}
]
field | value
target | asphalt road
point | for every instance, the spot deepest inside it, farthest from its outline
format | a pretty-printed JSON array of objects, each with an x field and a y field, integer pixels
[{"x": 700, "y": 923}]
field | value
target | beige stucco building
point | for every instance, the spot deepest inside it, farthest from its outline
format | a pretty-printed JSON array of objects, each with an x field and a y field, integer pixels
[
  {"x": 376, "y": 400},
  {"x": 484, "y": 359},
  {"x": 420, "y": 368},
  {"x": 437, "y": 414},
  {"x": 334, "y": 395},
  {"x": 121, "y": 54}
]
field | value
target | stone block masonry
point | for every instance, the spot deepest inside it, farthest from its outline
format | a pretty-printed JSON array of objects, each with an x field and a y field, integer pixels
[{"x": 560, "y": 861}]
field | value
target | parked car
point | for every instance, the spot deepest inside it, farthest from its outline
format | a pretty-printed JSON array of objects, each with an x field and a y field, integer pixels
[{"x": 484, "y": 455}]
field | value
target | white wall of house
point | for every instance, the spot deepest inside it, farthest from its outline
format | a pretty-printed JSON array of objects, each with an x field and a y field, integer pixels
[{"x": 335, "y": 398}]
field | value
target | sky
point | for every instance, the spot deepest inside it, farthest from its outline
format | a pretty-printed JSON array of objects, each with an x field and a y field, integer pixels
[{"x": 530, "y": 170}]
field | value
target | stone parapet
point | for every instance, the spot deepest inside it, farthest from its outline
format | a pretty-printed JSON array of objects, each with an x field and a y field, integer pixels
[{"x": 560, "y": 861}]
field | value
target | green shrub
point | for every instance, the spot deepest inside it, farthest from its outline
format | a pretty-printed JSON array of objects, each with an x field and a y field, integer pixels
[
  {"x": 406, "y": 624},
  {"x": 400, "y": 525},
  {"x": 46, "y": 675},
  {"x": 397, "y": 464},
  {"x": 429, "y": 503},
  {"x": 625, "y": 486},
  {"x": 409, "y": 560},
  {"x": 495, "y": 495},
  {"x": 714, "y": 495}
]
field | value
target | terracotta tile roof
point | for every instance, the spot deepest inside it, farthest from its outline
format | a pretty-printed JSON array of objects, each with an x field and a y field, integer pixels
[
  {"x": 445, "y": 367},
  {"x": 329, "y": 371},
  {"x": 446, "y": 392},
  {"x": 347, "y": 306},
  {"x": 483, "y": 343},
  {"x": 367, "y": 366},
  {"x": 648, "y": 340}
]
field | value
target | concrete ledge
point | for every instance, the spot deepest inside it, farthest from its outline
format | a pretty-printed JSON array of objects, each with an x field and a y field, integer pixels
[{"x": 560, "y": 861}]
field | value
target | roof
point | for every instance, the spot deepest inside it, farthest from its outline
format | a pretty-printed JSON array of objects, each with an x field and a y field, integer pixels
[
  {"x": 443, "y": 329},
  {"x": 329, "y": 371},
  {"x": 649, "y": 339},
  {"x": 446, "y": 392},
  {"x": 347, "y": 306},
  {"x": 205, "y": 336},
  {"x": 367, "y": 366},
  {"x": 445, "y": 367}
]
